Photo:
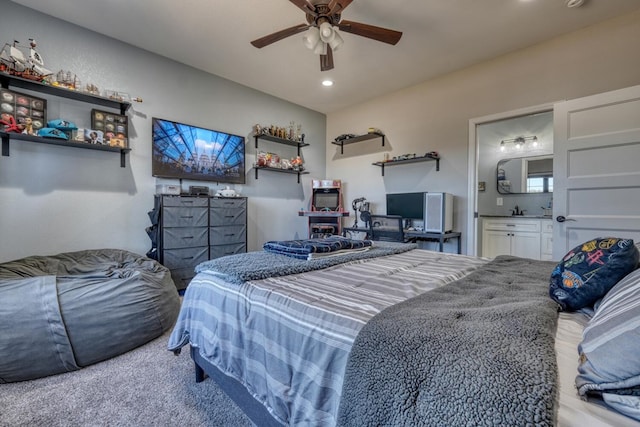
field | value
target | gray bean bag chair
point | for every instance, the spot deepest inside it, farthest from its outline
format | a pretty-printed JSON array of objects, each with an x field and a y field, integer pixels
[{"x": 63, "y": 312}]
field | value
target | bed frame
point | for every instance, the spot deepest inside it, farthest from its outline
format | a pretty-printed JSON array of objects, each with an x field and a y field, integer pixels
[{"x": 256, "y": 412}]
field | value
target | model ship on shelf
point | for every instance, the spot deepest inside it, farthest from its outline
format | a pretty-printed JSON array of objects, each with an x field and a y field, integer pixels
[{"x": 31, "y": 66}]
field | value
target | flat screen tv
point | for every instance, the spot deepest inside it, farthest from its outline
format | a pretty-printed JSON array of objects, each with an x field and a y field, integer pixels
[
  {"x": 190, "y": 152},
  {"x": 407, "y": 205}
]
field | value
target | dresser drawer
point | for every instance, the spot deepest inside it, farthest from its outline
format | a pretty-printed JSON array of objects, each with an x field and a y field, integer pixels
[
  {"x": 184, "y": 258},
  {"x": 185, "y": 217},
  {"x": 229, "y": 203},
  {"x": 185, "y": 201},
  {"x": 227, "y": 235},
  {"x": 184, "y": 237},
  {"x": 222, "y": 250},
  {"x": 182, "y": 276},
  {"x": 228, "y": 216}
]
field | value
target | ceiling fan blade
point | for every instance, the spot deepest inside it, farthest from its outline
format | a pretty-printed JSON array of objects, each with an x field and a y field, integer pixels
[
  {"x": 337, "y": 6},
  {"x": 279, "y": 35},
  {"x": 326, "y": 61},
  {"x": 306, "y": 6},
  {"x": 377, "y": 33}
]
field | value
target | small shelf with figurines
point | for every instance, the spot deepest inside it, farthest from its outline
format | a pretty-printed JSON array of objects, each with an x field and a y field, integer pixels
[
  {"x": 344, "y": 139},
  {"x": 272, "y": 162},
  {"x": 406, "y": 159}
]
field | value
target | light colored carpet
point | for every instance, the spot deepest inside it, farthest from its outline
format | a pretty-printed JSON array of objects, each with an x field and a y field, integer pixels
[{"x": 148, "y": 386}]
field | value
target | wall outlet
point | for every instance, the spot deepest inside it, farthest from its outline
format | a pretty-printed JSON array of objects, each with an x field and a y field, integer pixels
[{"x": 499, "y": 201}]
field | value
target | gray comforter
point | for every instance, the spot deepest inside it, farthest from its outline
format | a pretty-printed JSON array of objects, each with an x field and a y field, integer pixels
[{"x": 479, "y": 351}]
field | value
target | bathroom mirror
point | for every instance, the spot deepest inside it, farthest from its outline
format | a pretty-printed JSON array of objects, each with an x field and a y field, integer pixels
[{"x": 525, "y": 175}]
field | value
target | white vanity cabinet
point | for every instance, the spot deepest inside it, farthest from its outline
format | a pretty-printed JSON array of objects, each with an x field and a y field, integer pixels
[
  {"x": 511, "y": 236},
  {"x": 546, "y": 239}
]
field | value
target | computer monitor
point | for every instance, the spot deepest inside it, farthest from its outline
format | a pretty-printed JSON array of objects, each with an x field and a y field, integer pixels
[{"x": 407, "y": 205}]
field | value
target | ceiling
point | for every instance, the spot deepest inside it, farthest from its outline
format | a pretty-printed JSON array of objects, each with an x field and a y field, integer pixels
[{"x": 439, "y": 36}]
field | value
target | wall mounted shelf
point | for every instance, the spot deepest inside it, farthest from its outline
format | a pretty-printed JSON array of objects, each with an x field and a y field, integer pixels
[
  {"x": 7, "y": 81},
  {"x": 360, "y": 138},
  {"x": 280, "y": 141},
  {"x": 290, "y": 171},
  {"x": 284, "y": 141},
  {"x": 60, "y": 142},
  {"x": 426, "y": 158}
]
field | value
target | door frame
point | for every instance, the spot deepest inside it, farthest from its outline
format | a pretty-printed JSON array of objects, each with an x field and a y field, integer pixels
[{"x": 472, "y": 185}]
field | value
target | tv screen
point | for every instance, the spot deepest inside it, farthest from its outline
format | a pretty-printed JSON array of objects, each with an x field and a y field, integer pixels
[
  {"x": 326, "y": 200},
  {"x": 190, "y": 152},
  {"x": 407, "y": 205}
]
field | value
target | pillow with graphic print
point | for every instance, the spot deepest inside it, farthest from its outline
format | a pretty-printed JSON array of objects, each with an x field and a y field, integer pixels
[
  {"x": 589, "y": 270},
  {"x": 609, "y": 363}
]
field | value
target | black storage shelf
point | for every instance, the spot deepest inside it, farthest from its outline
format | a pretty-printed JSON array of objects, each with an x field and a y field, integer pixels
[
  {"x": 284, "y": 141},
  {"x": 280, "y": 141},
  {"x": 7, "y": 81},
  {"x": 365, "y": 137},
  {"x": 426, "y": 158},
  {"x": 61, "y": 142},
  {"x": 289, "y": 171}
]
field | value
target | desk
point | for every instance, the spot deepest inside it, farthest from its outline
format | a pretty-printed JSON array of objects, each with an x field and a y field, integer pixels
[
  {"x": 412, "y": 236},
  {"x": 348, "y": 230}
]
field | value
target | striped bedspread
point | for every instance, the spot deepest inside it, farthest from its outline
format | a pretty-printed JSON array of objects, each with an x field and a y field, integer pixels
[{"x": 288, "y": 338}]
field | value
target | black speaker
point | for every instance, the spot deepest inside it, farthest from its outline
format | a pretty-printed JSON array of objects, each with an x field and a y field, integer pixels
[{"x": 198, "y": 190}]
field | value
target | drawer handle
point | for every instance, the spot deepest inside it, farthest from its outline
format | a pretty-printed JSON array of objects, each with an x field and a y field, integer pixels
[
  {"x": 190, "y": 216},
  {"x": 229, "y": 235},
  {"x": 190, "y": 257},
  {"x": 188, "y": 237},
  {"x": 228, "y": 216},
  {"x": 510, "y": 225}
]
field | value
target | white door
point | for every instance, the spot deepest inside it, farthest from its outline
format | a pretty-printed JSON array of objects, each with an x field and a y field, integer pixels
[{"x": 596, "y": 169}]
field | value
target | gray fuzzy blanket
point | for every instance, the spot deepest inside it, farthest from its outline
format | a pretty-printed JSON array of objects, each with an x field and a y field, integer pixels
[
  {"x": 261, "y": 264},
  {"x": 479, "y": 351}
]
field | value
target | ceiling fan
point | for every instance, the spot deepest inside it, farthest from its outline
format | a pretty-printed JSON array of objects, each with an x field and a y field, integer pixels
[{"x": 321, "y": 36}]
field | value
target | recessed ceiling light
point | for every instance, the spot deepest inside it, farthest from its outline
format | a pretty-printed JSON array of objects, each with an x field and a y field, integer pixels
[
  {"x": 327, "y": 83},
  {"x": 574, "y": 3}
]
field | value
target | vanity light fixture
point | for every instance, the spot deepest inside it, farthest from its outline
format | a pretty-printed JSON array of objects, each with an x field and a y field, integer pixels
[
  {"x": 519, "y": 142},
  {"x": 327, "y": 83}
]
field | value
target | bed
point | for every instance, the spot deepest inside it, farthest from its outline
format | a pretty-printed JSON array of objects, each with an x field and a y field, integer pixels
[{"x": 394, "y": 335}]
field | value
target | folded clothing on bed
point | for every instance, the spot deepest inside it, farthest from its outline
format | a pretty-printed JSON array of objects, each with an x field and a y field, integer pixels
[{"x": 302, "y": 249}]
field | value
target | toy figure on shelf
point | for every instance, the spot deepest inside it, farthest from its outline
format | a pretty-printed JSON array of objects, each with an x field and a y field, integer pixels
[
  {"x": 67, "y": 80},
  {"x": 297, "y": 164},
  {"x": 14, "y": 61},
  {"x": 28, "y": 127},
  {"x": 9, "y": 124}
]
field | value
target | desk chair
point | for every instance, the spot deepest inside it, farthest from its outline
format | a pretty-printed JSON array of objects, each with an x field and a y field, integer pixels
[{"x": 387, "y": 228}]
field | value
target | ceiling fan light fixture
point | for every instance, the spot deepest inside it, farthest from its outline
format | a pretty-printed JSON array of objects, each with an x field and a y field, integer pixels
[
  {"x": 311, "y": 38},
  {"x": 337, "y": 41},
  {"x": 320, "y": 49},
  {"x": 327, "y": 33}
]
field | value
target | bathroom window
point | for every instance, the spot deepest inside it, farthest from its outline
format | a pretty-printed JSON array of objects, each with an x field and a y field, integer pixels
[{"x": 540, "y": 184}]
